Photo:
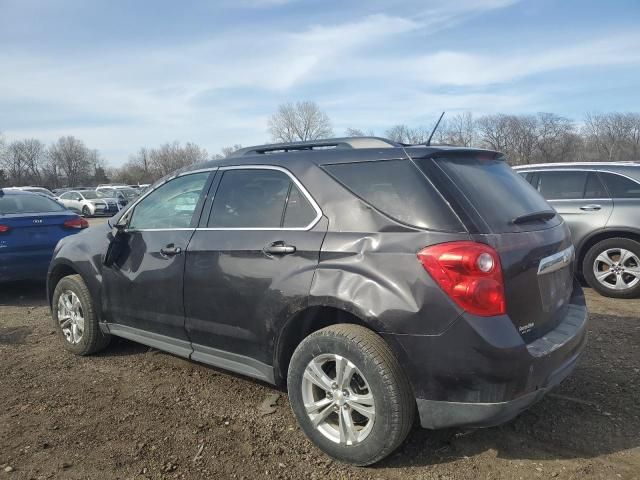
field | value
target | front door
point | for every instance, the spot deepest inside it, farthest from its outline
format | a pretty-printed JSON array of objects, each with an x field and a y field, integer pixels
[
  {"x": 250, "y": 267},
  {"x": 143, "y": 290}
]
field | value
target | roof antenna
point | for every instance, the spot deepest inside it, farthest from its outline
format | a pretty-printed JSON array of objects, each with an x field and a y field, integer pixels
[{"x": 434, "y": 130}]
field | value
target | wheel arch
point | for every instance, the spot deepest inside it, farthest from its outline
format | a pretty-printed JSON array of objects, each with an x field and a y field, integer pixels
[
  {"x": 65, "y": 267},
  {"x": 303, "y": 324}
]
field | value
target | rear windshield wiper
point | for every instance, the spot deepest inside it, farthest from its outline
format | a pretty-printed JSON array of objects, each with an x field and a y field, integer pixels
[{"x": 534, "y": 216}]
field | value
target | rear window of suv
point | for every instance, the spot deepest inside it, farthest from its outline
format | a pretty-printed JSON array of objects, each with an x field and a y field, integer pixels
[
  {"x": 493, "y": 189},
  {"x": 399, "y": 190}
]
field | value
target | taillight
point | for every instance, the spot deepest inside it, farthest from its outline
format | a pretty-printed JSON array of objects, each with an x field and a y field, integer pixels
[
  {"x": 76, "y": 222},
  {"x": 4, "y": 228},
  {"x": 469, "y": 273}
]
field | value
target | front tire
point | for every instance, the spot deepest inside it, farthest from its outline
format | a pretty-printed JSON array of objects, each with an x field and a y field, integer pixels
[
  {"x": 349, "y": 394},
  {"x": 86, "y": 212},
  {"x": 612, "y": 268},
  {"x": 75, "y": 319}
]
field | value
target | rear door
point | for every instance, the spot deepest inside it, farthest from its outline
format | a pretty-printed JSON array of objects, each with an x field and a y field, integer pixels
[
  {"x": 250, "y": 266},
  {"x": 143, "y": 290},
  {"x": 579, "y": 197}
]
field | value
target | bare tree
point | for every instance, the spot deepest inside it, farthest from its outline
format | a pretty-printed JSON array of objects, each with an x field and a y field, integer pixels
[
  {"x": 460, "y": 130},
  {"x": 494, "y": 131},
  {"x": 555, "y": 138},
  {"x": 300, "y": 121},
  {"x": 173, "y": 156},
  {"x": 405, "y": 134},
  {"x": 608, "y": 132},
  {"x": 227, "y": 151},
  {"x": 72, "y": 158},
  {"x": 358, "y": 132}
]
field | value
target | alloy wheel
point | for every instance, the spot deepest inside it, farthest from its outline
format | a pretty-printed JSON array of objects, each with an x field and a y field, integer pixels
[
  {"x": 71, "y": 317},
  {"x": 338, "y": 399},
  {"x": 617, "y": 268}
]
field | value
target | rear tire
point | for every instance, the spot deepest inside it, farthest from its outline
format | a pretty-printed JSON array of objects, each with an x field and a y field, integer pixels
[
  {"x": 361, "y": 416},
  {"x": 75, "y": 319},
  {"x": 612, "y": 268}
]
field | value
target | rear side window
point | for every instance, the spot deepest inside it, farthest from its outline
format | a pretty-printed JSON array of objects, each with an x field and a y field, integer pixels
[
  {"x": 400, "y": 190},
  {"x": 261, "y": 199},
  {"x": 298, "y": 212},
  {"x": 497, "y": 193},
  {"x": 10, "y": 204},
  {"x": 619, "y": 186},
  {"x": 562, "y": 185},
  {"x": 594, "y": 187}
]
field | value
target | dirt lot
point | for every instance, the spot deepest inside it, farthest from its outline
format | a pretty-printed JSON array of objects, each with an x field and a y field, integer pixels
[{"x": 133, "y": 412}]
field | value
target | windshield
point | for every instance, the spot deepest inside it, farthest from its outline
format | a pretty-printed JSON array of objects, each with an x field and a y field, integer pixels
[
  {"x": 11, "y": 204},
  {"x": 128, "y": 192},
  {"x": 89, "y": 194}
]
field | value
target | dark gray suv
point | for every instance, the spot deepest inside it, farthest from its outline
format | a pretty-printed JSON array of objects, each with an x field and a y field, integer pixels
[
  {"x": 601, "y": 204},
  {"x": 373, "y": 280}
]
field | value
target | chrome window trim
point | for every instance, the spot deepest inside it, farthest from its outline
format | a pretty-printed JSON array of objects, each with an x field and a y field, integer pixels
[
  {"x": 151, "y": 190},
  {"x": 298, "y": 184},
  {"x": 600, "y": 170}
]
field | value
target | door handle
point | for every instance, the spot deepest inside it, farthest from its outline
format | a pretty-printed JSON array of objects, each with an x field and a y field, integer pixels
[
  {"x": 592, "y": 207},
  {"x": 279, "y": 248},
  {"x": 170, "y": 250}
]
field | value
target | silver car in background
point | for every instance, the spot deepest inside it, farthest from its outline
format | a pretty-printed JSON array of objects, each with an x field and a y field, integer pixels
[
  {"x": 600, "y": 202},
  {"x": 89, "y": 203}
]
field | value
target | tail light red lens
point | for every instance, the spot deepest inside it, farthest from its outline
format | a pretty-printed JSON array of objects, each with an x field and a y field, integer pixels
[
  {"x": 76, "y": 222},
  {"x": 4, "y": 228},
  {"x": 470, "y": 273}
]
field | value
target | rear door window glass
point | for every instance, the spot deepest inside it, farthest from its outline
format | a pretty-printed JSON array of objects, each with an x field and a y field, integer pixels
[
  {"x": 299, "y": 213},
  {"x": 399, "y": 190},
  {"x": 594, "y": 187},
  {"x": 251, "y": 198},
  {"x": 619, "y": 186},
  {"x": 562, "y": 185}
]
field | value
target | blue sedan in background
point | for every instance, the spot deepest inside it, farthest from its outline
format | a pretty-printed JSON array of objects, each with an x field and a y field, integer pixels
[{"x": 30, "y": 226}]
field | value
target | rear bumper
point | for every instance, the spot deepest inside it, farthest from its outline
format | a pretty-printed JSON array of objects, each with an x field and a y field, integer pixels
[{"x": 480, "y": 373}]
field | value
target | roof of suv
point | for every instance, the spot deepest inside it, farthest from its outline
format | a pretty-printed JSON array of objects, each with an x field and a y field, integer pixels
[
  {"x": 577, "y": 165},
  {"x": 331, "y": 150},
  {"x": 629, "y": 169}
]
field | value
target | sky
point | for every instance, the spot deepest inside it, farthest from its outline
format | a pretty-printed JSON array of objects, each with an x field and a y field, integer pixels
[{"x": 122, "y": 74}]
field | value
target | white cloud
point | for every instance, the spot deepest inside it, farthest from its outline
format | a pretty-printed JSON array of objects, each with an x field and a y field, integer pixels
[{"x": 199, "y": 91}]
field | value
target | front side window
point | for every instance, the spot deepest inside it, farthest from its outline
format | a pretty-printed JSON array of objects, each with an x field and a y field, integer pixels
[
  {"x": 562, "y": 185},
  {"x": 619, "y": 186},
  {"x": 171, "y": 205},
  {"x": 67, "y": 196},
  {"x": 261, "y": 199}
]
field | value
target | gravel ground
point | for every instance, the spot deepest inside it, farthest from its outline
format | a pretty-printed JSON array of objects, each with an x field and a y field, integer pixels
[{"x": 133, "y": 412}]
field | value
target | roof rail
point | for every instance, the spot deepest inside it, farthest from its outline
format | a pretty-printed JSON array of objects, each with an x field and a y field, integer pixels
[{"x": 345, "y": 142}]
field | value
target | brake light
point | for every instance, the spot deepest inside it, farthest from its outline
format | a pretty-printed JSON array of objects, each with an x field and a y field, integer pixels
[
  {"x": 4, "y": 228},
  {"x": 470, "y": 273},
  {"x": 76, "y": 222}
]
